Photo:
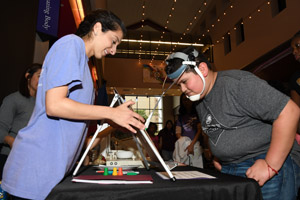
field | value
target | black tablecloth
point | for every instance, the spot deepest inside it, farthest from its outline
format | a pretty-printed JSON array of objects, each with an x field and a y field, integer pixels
[{"x": 225, "y": 187}]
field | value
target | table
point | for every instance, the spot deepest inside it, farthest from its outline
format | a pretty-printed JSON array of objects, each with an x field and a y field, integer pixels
[{"x": 225, "y": 187}]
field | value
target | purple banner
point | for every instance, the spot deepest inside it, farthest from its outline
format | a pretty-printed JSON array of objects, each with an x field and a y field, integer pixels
[{"x": 48, "y": 16}]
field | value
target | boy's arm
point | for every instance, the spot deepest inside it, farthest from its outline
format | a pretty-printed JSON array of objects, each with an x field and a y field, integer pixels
[{"x": 283, "y": 136}]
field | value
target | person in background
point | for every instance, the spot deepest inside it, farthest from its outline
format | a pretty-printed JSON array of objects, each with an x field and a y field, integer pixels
[
  {"x": 188, "y": 132},
  {"x": 167, "y": 139},
  {"x": 187, "y": 123},
  {"x": 251, "y": 126},
  {"x": 295, "y": 96},
  {"x": 16, "y": 110},
  {"x": 48, "y": 147},
  {"x": 151, "y": 130},
  {"x": 294, "y": 82},
  {"x": 295, "y": 79}
]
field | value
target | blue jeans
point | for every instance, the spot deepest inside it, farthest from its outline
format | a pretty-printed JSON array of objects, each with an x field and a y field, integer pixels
[
  {"x": 296, "y": 169},
  {"x": 279, "y": 187}
]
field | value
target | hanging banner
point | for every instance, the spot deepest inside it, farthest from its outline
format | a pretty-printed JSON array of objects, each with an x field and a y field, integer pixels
[{"x": 48, "y": 15}]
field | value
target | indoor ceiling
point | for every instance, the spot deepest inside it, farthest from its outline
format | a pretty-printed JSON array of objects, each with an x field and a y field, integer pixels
[{"x": 156, "y": 20}]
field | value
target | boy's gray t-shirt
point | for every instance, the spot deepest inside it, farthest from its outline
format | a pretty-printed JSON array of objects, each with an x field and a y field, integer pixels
[{"x": 237, "y": 115}]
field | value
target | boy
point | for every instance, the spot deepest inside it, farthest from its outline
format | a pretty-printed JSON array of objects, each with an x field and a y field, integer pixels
[{"x": 251, "y": 126}]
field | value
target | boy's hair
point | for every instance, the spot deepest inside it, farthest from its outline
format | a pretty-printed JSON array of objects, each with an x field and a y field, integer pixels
[{"x": 175, "y": 63}]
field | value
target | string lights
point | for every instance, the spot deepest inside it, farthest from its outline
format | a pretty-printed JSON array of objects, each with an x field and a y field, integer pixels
[
  {"x": 190, "y": 24},
  {"x": 166, "y": 28},
  {"x": 250, "y": 16},
  {"x": 187, "y": 29},
  {"x": 207, "y": 31},
  {"x": 141, "y": 40}
]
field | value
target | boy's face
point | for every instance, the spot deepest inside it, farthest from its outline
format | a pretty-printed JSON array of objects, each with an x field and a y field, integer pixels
[{"x": 190, "y": 83}]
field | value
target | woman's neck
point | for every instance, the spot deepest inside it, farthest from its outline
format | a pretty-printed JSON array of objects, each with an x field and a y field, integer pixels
[{"x": 32, "y": 92}]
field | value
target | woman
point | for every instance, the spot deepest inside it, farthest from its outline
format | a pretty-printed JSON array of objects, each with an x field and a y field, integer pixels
[
  {"x": 188, "y": 132},
  {"x": 167, "y": 140},
  {"x": 295, "y": 96},
  {"x": 49, "y": 146},
  {"x": 16, "y": 110},
  {"x": 152, "y": 128},
  {"x": 188, "y": 123}
]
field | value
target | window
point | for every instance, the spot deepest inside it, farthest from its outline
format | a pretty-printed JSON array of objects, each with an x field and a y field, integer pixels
[
  {"x": 240, "y": 37},
  {"x": 227, "y": 43},
  {"x": 144, "y": 106},
  {"x": 277, "y": 6}
]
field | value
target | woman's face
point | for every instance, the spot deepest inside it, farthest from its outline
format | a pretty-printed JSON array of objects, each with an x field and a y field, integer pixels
[
  {"x": 107, "y": 42},
  {"x": 295, "y": 44},
  {"x": 151, "y": 129},
  {"x": 33, "y": 81},
  {"x": 169, "y": 125}
]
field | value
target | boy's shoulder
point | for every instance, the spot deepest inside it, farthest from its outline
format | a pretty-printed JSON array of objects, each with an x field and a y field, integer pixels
[{"x": 235, "y": 74}]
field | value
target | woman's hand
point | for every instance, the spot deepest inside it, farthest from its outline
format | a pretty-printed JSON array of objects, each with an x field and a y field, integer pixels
[
  {"x": 125, "y": 117},
  {"x": 260, "y": 172},
  {"x": 9, "y": 140},
  {"x": 190, "y": 149}
]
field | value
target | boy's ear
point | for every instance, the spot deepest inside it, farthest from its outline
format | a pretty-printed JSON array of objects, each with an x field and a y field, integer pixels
[{"x": 203, "y": 68}]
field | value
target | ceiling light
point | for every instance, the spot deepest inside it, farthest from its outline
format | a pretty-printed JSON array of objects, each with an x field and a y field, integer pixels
[{"x": 162, "y": 42}]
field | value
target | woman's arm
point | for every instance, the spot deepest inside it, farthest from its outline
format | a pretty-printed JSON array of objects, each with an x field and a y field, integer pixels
[
  {"x": 199, "y": 129},
  {"x": 190, "y": 148},
  {"x": 7, "y": 117},
  {"x": 58, "y": 105},
  {"x": 9, "y": 140},
  {"x": 283, "y": 135},
  {"x": 178, "y": 131}
]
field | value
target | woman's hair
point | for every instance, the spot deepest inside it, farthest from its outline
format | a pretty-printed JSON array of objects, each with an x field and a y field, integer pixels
[
  {"x": 176, "y": 63},
  {"x": 108, "y": 20},
  {"x": 182, "y": 109},
  {"x": 23, "y": 84},
  {"x": 166, "y": 125},
  {"x": 154, "y": 125},
  {"x": 169, "y": 121}
]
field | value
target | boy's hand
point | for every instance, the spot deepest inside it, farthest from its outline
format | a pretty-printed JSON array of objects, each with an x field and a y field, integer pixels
[{"x": 260, "y": 172}]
